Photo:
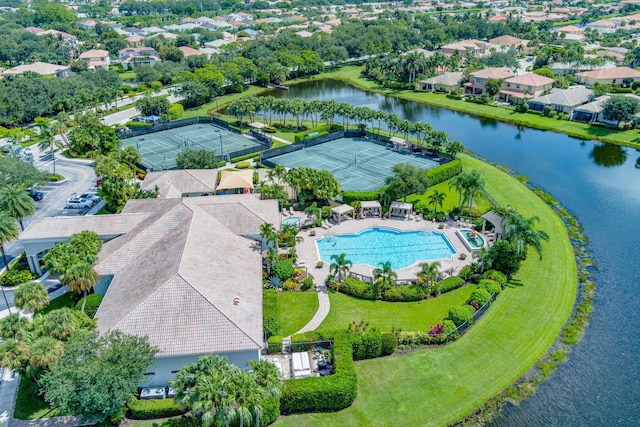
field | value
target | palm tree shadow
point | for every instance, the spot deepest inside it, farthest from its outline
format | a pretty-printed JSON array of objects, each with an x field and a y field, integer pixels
[{"x": 514, "y": 283}]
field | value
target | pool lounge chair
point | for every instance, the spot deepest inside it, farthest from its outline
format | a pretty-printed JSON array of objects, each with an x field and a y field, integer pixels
[
  {"x": 285, "y": 212},
  {"x": 291, "y": 211}
]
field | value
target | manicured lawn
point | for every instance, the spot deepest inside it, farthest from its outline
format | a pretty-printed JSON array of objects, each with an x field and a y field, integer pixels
[
  {"x": 221, "y": 101},
  {"x": 66, "y": 300},
  {"x": 408, "y": 316},
  {"x": 451, "y": 200},
  {"x": 351, "y": 74},
  {"x": 128, "y": 75},
  {"x": 295, "y": 309},
  {"x": 30, "y": 406},
  {"x": 439, "y": 386}
]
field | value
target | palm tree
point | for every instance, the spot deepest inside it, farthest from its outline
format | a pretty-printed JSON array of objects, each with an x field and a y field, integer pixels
[
  {"x": 519, "y": 231},
  {"x": 269, "y": 234},
  {"x": 429, "y": 272},
  {"x": 8, "y": 232},
  {"x": 44, "y": 351},
  {"x": 49, "y": 142},
  {"x": 31, "y": 296},
  {"x": 211, "y": 398},
  {"x": 436, "y": 199},
  {"x": 340, "y": 266},
  {"x": 60, "y": 323},
  {"x": 268, "y": 377},
  {"x": 385, "y": 275},
  {"x": 81, "y": 277},
  {"x": 246, "y": 395},
  {"x": 474, "y": 184},
  {"x": 13, "y": 354},
  {"x": 14, "y": 326},
  {"x": 313, "y": 211},
  {"x": 16, "y": 203},
  {"x": 484, "y": 259}
]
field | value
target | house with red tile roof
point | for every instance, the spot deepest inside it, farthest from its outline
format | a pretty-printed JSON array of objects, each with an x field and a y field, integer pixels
[
  {"x": 525, "y": 86},
  {"x": 478, "y": 79},
  {"x": 612, "y": 76},
  {"x": 96, "y": 59},
  {"x": 466, "y": 47}
]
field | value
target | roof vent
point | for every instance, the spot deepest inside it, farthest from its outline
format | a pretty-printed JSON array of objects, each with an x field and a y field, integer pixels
[{"x": 236, "y": 301}]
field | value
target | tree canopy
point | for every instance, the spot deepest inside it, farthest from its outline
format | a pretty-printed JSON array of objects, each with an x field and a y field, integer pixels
[
  {"x": 406, "y": 179},
  {"x": 314, "y": 184},
  {"x": 197, "y": 159},
  {"x": 620, "y": 108}
]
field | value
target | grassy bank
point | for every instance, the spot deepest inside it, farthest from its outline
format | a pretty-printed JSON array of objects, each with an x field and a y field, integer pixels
[
  {"x": 351, "y": 74},
  {"x": 441, "y": 385},
  {"x": 295, "y": 310}
]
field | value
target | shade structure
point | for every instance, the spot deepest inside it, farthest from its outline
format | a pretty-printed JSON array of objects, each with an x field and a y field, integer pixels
[
  {"x": 398, "y": 142},
  {"x": 341, "y": 210},
  {"x": 495, "y": 219},
  {"x": 257, "y": 125},
  {"x": 230, "y": 180},
  {"x": 400, "y": 209},
  {"x": 371, "y": 207}
]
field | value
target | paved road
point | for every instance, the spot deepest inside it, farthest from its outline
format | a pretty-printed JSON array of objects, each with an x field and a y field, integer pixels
[{"x": 122, "y": 117}]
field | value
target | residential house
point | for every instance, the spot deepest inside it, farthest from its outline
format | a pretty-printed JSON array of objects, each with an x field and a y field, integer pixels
[
  {"x": 134, "y": 41},
  {"x": 593, "y": 111},
  {"x": 181, "y": 183},
  {"x": 446, "y": 82},
  {"x": 131, "y": 57},
  {"x": 466, "y": 47},
  {"x": 87, "y": 24},
  {"x": 508, "y": 41},
  {"x": 96, "y": 59},
  {"x": 42, "y": 68},
  {"x": 184, "y": 272},
  {"x": 524, "y": 86},
  {"x": 564, "y": 68},
  {"x": 189, "y": 51},
  {"x": 478, "y": 79},
  {"x": 613, "y": 76},
  {"x": 605, "y": 26},
  {"x": 562, "y": 100}
]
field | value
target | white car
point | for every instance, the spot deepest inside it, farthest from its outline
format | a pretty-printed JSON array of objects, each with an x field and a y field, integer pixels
[
  {"x": 78, "y": 203},
  {"x": 93, "y": 198}
]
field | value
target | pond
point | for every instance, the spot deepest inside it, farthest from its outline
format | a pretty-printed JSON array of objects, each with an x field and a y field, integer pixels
[{"x": 599, "y": 183}]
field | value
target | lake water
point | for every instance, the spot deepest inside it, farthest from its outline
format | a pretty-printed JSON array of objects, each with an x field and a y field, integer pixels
[{"x": 600, "y": 384}]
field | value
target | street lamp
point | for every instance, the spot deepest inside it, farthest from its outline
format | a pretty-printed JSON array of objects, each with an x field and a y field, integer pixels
[
  {"x": 221, "y": 148},
  {"x": 5, "y": 295}
]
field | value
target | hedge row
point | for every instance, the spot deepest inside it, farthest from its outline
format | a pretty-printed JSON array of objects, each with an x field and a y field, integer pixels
[
  {"x": 444, "y": 172},
  {"x": 153, "y": 408},
  {"x": 330, "y": 393},
  {"x": 403, "y": 293},
  {"x": 349, "y": 197},
  {"x": 320, "y": 130},
  {"x": 270, "y": 316}
]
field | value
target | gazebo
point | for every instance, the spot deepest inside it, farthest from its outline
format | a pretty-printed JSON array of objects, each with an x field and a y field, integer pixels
[
  {"x": 371, "y": 207},
  {"x": 495, "y": 219},
  {"x": 400, "y": 209},
  {"x": 362, "y": 272},
  {"x": 234, "y": 180},
  {"x": 341, "y": 210}
]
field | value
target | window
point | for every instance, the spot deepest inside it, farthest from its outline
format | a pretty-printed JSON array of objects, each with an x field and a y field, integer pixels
[
  {"x": 517, "y": 86},
  {"x": 149, "y": 373},
  {"x": 478, "y": 80},
  {"x": 529, "y": 88}
]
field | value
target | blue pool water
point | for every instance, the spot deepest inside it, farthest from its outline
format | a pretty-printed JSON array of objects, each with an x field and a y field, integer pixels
[
  {"x": 376, "y": 245},
  {"x": 293, "y": 220}
]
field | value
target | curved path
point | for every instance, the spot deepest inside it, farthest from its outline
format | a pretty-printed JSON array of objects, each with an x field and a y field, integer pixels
[{"x": 320, "y": 278}]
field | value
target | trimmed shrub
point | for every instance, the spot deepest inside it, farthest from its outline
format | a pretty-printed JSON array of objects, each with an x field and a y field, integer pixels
[
  {"x": 243, "y": 165},
  {"x": 480, "y": 296},
  {"x": 389, "y": 343},
  {"x": 132, "y": 125},
  {"x": 404, "y": 293},
  {"x": 251, "y": 156},
  {"x": 355, "y": 288},
  {"x": 351, "y": 196},
  {"x": 307, "y": 284},
  {"x": 459, "y": 315},
  {"x": 449, "y": 284},
  {"x": 92, "y": 304},
  {"x": 17, "y": 277},
  {"x": 416, "y": 339},
  {"x": 283, "y": 269},
  {"x": 330, "y": 393},
  {"x": 270, "y": 411},
  {"x": 491, "y": 286},
  {"x": 305, "y": 341},
  {"x": 359, "y": 289},
  {"x": 450, "y": 329},
  {"x": 367, "y": 345},
  {"x": 153, "y": 408},
  {"x": 495, "y": 275},
  {"x": 274, "y": 344},
  {"x": 444, "y": 172},
  {"x": 466, "y": 273},
  {"x": 521, "y": 108},
  {"x": 271, "y": 322}
]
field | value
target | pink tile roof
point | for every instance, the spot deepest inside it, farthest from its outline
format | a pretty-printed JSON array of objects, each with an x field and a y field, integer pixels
[
  {"x": 493, "y": 73},
  {"x": 505, "y": 40},
  {"x": 611, "y": 73},
  {"x": 530, "y": 79}
]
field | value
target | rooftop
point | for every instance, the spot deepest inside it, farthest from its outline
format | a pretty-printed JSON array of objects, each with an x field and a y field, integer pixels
[{"x": 611, "y": 73}]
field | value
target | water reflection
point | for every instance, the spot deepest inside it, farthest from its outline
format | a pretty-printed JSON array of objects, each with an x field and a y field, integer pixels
[{"x": 608, "y": 155}]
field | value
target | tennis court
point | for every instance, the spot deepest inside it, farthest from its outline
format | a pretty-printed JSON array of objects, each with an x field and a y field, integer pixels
[
  {"x": 159, "y": 149},
  {"x": 359, "y": 164}
]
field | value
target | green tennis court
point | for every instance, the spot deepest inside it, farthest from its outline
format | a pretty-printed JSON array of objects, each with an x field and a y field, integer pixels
[
  {"x": 159, "y": 149},
  {"x": 359, "y": 164}
]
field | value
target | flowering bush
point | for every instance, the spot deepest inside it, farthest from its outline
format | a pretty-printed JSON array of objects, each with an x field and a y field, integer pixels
[
  {"x": 436, "y": 330},
  {"x": 290, "y": 285},
  {"x": 474, "y": 305}
]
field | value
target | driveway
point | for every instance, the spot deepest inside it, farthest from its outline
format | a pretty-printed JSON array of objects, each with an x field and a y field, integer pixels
[{"x": 122, "y": 117}]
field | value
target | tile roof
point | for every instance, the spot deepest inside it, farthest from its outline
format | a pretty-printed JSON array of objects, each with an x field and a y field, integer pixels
[
  {"x": 571, "y": 97},
  {"x": 530, "y": 79},
  {"x": 42, "y": 68},
  {"x": 611, "y": 73},
  {"x": 493, "y": 73},
  {"x": 505, "y": 40},
  {"x": 447, "y": 79},
  {"x": 64, "y": 227},
  {"x": 175, "y": 183},
  {"x": 94, "y": 53}
]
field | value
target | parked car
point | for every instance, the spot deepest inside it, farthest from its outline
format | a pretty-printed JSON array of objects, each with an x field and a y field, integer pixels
[
  {"x": 35, "y": 194},
  {"x": 92, "y": 197},
  {"x": 78, "y": 203}
]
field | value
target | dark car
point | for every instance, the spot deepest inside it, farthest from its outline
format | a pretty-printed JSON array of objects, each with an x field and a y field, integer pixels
[{"x": 35, "y": 195}]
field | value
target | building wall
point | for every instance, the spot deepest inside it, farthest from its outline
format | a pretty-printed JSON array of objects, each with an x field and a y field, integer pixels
[{"x": 165, "y": 368}]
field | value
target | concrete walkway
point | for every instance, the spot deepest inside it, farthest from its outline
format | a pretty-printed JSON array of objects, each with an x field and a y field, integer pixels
[{"x": 320, "y": 278}]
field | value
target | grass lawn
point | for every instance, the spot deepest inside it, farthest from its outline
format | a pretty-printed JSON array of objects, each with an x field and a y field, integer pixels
[
  {"x": 451, "y": 200},
  {"x": 295, "y": 309},
  {"x": 220, "y": 102},
  {"x": 30, "y": 406},
  {"x": 128, "y": 75},
  {"x": 66, "y": 300},
  {"x": 439, "y": 386},
  {"x": 409, "y": 316},
  {"x": 351, "y": 74}
]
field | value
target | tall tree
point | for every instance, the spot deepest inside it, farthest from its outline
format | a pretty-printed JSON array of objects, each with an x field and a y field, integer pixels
[
  {"x": 340, "y": 265},
  {"x": 436, "y": 199},
  {"x": 112, "y": 366},
  {"x": 384, "y": 277},
  {"x": 16, "y": 203},
  {"x": 81, "y": 277},
  {"x": 407, "y": 179},
  {"x": 31, "y": 296},
  {"x": 8, "y": 233},
  {"x": 521, "y": 233}
]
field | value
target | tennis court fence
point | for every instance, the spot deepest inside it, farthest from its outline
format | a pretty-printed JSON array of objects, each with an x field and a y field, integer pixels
[{"x": 144, "y": 130}]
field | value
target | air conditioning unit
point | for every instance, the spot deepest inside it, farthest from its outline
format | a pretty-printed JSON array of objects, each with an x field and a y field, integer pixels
[
  {"x": 170, "y": 392},
  {"x": 145, "y": 393}
]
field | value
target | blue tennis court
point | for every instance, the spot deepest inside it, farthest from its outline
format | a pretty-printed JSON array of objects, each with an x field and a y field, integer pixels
[
  {"x": 359, "y": 164},
  {"x": 159, "y": 149}
]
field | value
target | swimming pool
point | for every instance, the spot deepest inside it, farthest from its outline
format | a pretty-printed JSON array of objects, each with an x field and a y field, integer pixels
[
  {"x": 376, "y": 245},
  {"x": 294, "y": 220},
  {"x": 473, "y": 243}
]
